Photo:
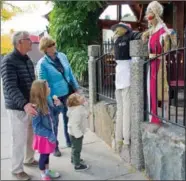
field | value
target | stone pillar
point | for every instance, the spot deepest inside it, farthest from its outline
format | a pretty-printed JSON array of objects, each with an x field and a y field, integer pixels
[
  {"x": 138, "y": 52},
  {"x": 93, "y": 53}
]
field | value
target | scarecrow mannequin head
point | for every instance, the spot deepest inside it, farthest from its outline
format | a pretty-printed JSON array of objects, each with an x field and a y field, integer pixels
[
  {"x": 153, "y": 15},
  {"x": 120, "y": 30}
]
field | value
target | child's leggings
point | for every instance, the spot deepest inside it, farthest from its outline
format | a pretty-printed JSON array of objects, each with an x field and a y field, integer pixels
[{"x": 43, "y": 160}]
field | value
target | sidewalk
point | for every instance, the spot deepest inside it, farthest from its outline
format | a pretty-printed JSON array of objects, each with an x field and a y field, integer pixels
[{"x": 104, "y": 164}]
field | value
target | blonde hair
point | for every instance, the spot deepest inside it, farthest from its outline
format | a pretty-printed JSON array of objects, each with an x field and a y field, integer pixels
[
  {"x": 73, "y": 100},
  {"x": 38, "y": 95},
  {"x": 44, "y": 43}
]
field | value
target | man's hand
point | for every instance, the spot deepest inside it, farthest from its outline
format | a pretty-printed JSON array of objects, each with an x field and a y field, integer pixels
[{"x": 30, "y": 109}]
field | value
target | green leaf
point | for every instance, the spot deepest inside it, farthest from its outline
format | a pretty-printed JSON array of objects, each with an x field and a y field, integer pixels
[{"x": 73, "y": 24}]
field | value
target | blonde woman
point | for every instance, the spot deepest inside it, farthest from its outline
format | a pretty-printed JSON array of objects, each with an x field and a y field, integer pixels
[{"x": 55, "y": 68}]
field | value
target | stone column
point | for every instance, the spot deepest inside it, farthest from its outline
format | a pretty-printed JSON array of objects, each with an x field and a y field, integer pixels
[
  {"x": 93, "y": 53},
  {"x": 137, "y": 51}
]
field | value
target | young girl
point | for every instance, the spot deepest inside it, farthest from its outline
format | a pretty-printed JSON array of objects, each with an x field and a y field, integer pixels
[
  {"x": 43, "y": 126},
  {"x": 78, "y": 116}
]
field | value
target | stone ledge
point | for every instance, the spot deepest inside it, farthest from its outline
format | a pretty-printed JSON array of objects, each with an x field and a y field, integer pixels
[
  {"x": 138, "y": 48},
  {"x": 93, "y": 50},
  {"x": 104, "y": 121},
  {"x": 170, "y": 132},
  {"x": 164, "y": 151}
]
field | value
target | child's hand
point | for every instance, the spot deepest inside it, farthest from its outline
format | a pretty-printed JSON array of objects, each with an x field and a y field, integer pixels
[{"x": 57, "y": 102}]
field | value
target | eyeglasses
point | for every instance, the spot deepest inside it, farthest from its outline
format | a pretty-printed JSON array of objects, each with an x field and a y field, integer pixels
[
  {"x": 26, "y": 39},
  {"x": 51, "y": 45}
]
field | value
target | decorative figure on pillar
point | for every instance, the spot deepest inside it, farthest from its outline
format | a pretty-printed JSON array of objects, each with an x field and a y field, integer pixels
[
  {"x": 161, "y": 39},
  {"x": 123, "y": 34}
]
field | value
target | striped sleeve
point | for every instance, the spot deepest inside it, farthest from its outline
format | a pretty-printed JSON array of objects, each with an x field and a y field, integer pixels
[{"x": 10, "y": 81}]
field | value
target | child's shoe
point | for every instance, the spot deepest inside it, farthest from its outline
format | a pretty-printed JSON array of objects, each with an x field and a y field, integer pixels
[
  {"x": 81, "y": 161},
  {"x": 52, "y": 174},
  {"x": 45, "y": 177},
  {"x": 57, "y": 152},
  {"x": 81, "y": 167}
]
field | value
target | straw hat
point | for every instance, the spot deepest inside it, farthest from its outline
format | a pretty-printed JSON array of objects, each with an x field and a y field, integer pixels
[{"x": 123, "y": 25}]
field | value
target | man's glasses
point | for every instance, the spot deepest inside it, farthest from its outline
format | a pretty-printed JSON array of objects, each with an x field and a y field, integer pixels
[
  {"x": 26, "y": 39},
  {"x": 51, "y": 45}
]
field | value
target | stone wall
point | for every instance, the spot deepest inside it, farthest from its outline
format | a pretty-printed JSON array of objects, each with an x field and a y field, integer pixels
[
  {"x": 104, "y": 119},
  {"x": 163, "y": 148},
  {"x": 161, "y": 151},
  {"x": 164, "y": 152}
]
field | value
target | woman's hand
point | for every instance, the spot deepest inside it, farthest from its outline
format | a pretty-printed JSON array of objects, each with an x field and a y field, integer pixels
[{"x": 57, "y": 102}]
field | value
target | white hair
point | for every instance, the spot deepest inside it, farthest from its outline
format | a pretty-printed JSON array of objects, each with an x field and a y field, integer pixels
[
  {"x": 156, "y": 8},
  {"x": 17, "y": 36}
]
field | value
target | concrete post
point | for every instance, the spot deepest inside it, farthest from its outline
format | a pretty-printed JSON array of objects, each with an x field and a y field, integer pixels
[
  {"x": 138, "y": 52},
  {"x": 93, "y": 53}
]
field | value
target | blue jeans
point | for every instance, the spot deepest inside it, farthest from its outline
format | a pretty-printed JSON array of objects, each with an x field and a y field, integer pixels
[
  {"x": 56, "y": 130},
  {"x": 63, "y": 99}
]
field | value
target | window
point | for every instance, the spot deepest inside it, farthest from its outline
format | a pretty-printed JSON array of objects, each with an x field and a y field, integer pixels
[
  {"x": 109, "y": 13},
  {"x": 127, "y": 14}
]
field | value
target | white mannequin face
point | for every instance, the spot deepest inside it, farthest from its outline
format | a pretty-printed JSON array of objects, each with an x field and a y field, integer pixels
[{"x": 150, "y": 16}]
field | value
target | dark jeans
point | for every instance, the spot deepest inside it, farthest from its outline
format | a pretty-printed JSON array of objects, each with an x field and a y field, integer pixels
[
  {"x": 56, "y": 130},
  {"x": 76, "y": 149},
  {"x": 63, "y": 99},
  {"x": 43, "y": 160}
]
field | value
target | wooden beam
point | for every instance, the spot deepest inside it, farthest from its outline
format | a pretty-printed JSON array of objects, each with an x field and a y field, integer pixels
[
  {"x": 180, "y": 20},
  {"x": 106, "y": 24},
  {"x": 136, "y": 10},
  {"x": 119, "y": 12},
  {"x": 141, "y": 13},
  {"x": 131, "y": 2}
]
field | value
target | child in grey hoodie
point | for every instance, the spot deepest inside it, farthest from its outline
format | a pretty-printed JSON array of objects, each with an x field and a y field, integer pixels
[{"x": 78, "y": 116}]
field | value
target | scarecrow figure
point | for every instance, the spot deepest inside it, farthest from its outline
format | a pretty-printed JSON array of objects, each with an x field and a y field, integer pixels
[{"x": 123, "y": 34}]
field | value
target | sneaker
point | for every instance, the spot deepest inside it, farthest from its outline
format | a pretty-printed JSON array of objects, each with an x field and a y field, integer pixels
[
  {"x": 81, "y": 168},
  {"x": 81, "y": 161},
  {"x": 22, "y": 176},
  {"x": 57, "y": 153},
  {"x": 32, "y": 164},
  {"x": 45, "y": 178},
  {"x": 53, "y": 174}
]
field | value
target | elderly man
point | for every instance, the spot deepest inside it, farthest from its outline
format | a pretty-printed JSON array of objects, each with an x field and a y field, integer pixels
[{"x": 18, "y": 74}]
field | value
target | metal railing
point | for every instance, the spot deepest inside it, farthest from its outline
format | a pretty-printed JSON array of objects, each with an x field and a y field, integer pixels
[
  {"x": 83, "y": 80},
  {"x": 173, "y": 73},
  {"x": 165, "y": 87},
  {"x": 105, "y": 72}
]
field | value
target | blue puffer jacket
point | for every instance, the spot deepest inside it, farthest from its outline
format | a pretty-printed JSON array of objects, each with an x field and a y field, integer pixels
[
  {"x": 45, "y": 70},
  {"x": 46, "y": 125}
]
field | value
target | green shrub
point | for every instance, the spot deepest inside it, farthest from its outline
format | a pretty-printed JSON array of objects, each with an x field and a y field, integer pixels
[{"x": 74, "y": 26}]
